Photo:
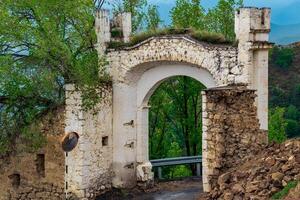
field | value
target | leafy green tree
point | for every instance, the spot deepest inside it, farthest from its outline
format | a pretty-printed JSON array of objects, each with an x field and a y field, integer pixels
[
  {"x": 136, "y": 8},
  {"x": 277, "y": 125},
  {"x": 188, "y": 14},
  {"x": 152, "y": 19},
  {"x": 283, "y": 57},
  {"x": 220, "y": 19},
  {"x": 43, "y": 45},
  {"x": 292, "y": 113}
]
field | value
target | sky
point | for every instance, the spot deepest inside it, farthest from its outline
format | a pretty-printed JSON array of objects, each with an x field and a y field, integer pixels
[{"x": 284, "y": 12}]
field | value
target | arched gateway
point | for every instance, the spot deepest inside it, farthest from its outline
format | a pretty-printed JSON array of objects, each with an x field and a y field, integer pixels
[{"x": 113, "y": 144}]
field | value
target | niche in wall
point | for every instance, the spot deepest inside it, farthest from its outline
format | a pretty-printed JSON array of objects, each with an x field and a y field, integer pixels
[
  {"x": 40, "y": 164},
  {"x": 15, "y": 179}
]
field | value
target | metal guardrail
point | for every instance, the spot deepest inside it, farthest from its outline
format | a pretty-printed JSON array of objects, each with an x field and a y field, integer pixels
[{"x": 178, "y": 161}]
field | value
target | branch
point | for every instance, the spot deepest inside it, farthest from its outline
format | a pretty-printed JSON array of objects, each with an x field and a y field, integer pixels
[{"x": 99, "y": 3}]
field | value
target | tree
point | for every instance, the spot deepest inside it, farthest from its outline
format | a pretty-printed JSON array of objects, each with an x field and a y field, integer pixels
[
  {"x": 295, "y": 96},
  {"x": 292, "y": 128},
  {"x": 220, "y": 19},
  {"x": 143, "y": 15},
  {"x": 292, "y": 113},
  {"x": 175, "y": 118},
  {"x": 278, "y": 97},
  {"x": 188, "y": 14},
  {"x": 277, "y": 125},
  {"x": 43, "y": 45},
  {"x": 152, "y": 19},
  {"x": 283, "y": 57}
]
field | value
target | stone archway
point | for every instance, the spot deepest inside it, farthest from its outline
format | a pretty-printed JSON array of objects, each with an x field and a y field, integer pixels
[
  {"x": 148, "y": 83},
  {"x": 232, "y": 74}
]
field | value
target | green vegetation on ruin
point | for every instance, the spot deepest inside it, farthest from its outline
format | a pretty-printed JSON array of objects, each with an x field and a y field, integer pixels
[{"x": 199, "y": 35}]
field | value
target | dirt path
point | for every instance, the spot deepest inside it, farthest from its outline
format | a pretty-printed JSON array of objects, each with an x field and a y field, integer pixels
[{"x": 188, "y": 189}]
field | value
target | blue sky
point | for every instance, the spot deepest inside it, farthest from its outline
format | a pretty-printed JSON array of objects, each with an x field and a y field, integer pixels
[{"x": 284, "y": 12}]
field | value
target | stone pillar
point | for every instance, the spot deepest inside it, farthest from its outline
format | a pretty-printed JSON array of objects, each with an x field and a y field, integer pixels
[
  {"x": 126, "y": 26},
  {"x": 89, "y": 164},
  {"x": 124, "y": 136},
  {"x": 230, "y": 130},
  {"x": 102, "y": 25},
  {"x": 144, "y": 173},
  {"x": 123, "y": 21},
  {"x": 252, "y": 28}
]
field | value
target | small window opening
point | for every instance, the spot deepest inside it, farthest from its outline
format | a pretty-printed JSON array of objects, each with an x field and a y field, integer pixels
[
  {"x": 40, "y": 164},
  {"x": 105, "y": 141},
  {"x": 66, "y": 169},
  {"x": 15, "y": 180}
]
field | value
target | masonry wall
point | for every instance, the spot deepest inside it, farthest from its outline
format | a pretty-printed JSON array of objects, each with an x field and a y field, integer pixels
[
  {"x": 37, "y": 181},
  {"x": 89, "y": 163},
  {"x": 231, "y": 130},
  {"x": 220, "y": 60}
]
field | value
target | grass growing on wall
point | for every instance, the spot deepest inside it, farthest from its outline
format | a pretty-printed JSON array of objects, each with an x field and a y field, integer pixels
[{"x": 203, "y": 36}]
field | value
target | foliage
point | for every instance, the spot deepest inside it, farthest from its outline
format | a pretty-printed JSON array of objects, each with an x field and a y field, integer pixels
[
  {"x": 135, "y": 7},
  {"x": 203, "y": 36},
  {"x": 292, "y": 113},
  {"x": 277, "y": 97},
  {"x": 178, "y": 171},
  {"x": 283, "y": 57},
  {"x": 220, "y": 19},
  {"x": 143, "y": 15},
  {"x": 43, "y": 45},
  {"x": 277, "y": 125},
  {"x": 281, "y": 194},
  {"x": 153, "y": 19},
  {"x": 175, "y": 120},
  {"x": 188, "y": 14},
  {"x": 292, "y": 128},
  {"x": 295, "y": 96}
]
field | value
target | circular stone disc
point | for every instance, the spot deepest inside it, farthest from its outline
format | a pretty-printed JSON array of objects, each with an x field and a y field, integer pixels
[{"x": 69, "y": 141}]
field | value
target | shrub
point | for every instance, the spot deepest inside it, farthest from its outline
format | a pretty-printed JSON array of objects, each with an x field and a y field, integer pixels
[{"x": 277, "y": 125}]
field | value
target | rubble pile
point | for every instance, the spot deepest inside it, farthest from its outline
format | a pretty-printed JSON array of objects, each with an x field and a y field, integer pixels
[{"x": 262, "y": 175}]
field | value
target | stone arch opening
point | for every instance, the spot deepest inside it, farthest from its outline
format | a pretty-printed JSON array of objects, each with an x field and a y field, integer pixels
[
  {"x": 148, "y": 83},
  {"x": 175, "y": 126}
]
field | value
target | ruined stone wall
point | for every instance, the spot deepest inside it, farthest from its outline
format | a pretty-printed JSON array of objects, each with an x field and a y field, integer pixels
[
  {"x": 36, "y": 175},
  {"x": 230, "y": 130},
  {"x": 89, "y": 163}
]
